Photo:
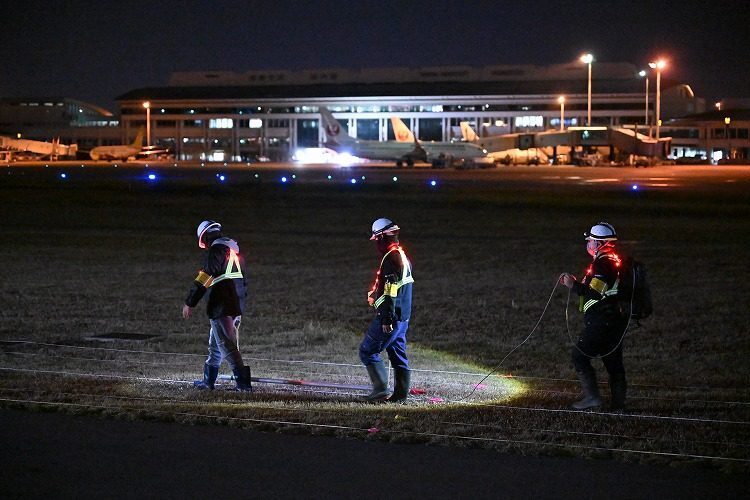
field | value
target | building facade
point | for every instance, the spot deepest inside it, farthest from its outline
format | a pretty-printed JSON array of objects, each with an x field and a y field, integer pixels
[{"x": 226, "y": 116}]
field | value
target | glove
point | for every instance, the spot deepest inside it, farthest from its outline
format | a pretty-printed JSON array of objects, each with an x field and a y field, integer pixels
[
  {"x": 568, "y": 280},
  {"x": 387, "y": 323}
]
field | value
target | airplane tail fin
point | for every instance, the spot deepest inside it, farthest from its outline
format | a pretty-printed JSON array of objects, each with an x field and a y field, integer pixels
[
  {"x": 468, "y": 133},
  {"x": 401, "y": 131},
  {"x": 334, "y": 131},
  {"x": 138, "y": 142}
]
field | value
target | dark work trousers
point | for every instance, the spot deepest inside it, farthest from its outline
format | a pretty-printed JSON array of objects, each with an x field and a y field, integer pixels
[
  {"x": 393, "y": 343},
  {"x": 600, "y": 335}
]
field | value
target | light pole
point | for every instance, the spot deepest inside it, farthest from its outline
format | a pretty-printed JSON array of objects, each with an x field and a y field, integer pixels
[
  {"x": 147, "y": 105},
  {"x": 643, "y": 74},
  {"x": 727, "y": 121},
  {"x": 561, "y": 100},
  {"x": 588, "y": 59},
  {"x": 658, "y": 66}
]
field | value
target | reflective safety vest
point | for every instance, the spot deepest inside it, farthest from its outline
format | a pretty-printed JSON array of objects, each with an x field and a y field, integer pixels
[
  {"x": 232, "y": 271},
  {"x": 600, "y": 286},
  {"x": 391, "y": 289}
]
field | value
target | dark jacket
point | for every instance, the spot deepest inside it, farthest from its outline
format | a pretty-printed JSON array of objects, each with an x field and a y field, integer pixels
[
  {"x": 223, "y": 276},
  {"x": 393, "y": 286},
  {"x": 598, "y": 288}
]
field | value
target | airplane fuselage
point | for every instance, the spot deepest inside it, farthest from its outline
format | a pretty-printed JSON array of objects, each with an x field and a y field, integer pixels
[
  {"x": 113, "y": 152},
  {"x": 376, "y": 150},
  {"x": 459, "y": 150}
]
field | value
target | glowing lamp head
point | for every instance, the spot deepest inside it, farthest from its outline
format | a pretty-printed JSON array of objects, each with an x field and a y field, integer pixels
[
  {"x": 561, "y": 99},
  {"x": 587, "y": 58},
  {"x": 205, "y": 227},
  {"x": 147, "y": 104},
  {"x": 642, "y": 73},
  {"x": 660, "y": 64}
]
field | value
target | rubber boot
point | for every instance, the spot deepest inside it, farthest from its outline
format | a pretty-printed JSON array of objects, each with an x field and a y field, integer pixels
[
  {"x": 618, "y": 386},
  {"x": 402, "y": 379},
  {"x": 242, "y": 377},
  {"x": 379, "y": 377},
  {"x": 209, "y": 378},
  {"x": 591, "y": 398}
]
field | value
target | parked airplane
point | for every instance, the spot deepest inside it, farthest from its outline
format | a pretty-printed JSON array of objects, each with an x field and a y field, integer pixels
[
  {"x": 441, "y": 153},
  {"x": 44, "y": 149},
  {"x": 125, "y": 151},
  {"x": 338, "y": 140},
  {"x": 504, "y": 148}
]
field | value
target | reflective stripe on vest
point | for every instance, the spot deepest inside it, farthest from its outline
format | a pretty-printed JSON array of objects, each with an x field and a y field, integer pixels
[
  {"x": 230, "y": 272},
  {"x": 391, "y": 289},
  {"x": 584, "y": 306}
]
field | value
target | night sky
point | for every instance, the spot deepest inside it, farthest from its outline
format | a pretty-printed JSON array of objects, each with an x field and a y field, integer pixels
[{"x": 95, "y": 51}]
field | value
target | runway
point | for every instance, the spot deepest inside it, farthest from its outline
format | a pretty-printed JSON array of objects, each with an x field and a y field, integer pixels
[{"x": 683, "y": 178}]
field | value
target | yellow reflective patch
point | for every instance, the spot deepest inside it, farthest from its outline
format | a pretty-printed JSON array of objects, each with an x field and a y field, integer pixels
[
  {"x": 390, "y": 289},
  {"x": 598, "y": 285},
  {"x": 204, "y": 279}
]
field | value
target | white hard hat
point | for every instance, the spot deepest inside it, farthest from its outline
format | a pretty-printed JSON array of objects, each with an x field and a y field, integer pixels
[
  {"x": 601, "y": 231},
  {"x": 205, "y": 227},
  {"x": 383, "y": 226}
]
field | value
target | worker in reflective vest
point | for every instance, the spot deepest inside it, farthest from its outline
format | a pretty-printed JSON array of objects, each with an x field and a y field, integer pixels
[
  {"x": 390, "y": 295},
  {"x": 604, "y": 323},
  {"x": 222, "y": 277}
]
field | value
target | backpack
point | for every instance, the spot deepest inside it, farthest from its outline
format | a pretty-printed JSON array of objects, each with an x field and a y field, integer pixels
[{"x": 634, "y": 289}]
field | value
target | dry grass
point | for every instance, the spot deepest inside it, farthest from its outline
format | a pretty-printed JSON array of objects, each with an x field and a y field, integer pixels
[{"x": 103, "y": 255}]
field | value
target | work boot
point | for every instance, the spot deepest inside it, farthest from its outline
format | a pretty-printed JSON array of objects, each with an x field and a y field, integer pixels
[
  {"x": 618, "y": 386},
  {"x": 242, "y": 378},
  {"x": 591, "y": 398},
  {"x": 402, "y": 379},
  {"x": 379, "y": 377},
  {"x": 209, "y": 377}
]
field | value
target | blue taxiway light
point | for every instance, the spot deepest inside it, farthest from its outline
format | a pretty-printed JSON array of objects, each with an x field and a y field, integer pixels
[
  {"x": 284, "y": 179},
  {"x": 330, "y": 177},
  {"x": 395, "y": 179},
  {"x": 353, "y": 181},
  {"x": 152, "y": 177},
  {"x": 257, "y": 176},
  {"x": 433, "y": 183},
  {"x": 63, "y": 176},
  {"x": 634, "y": 187}
]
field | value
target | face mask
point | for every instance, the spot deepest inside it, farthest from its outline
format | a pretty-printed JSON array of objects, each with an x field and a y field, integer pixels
[{"x": 593, "y": 246}]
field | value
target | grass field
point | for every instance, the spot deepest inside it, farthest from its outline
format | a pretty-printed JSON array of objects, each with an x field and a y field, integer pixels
[{"x": 101, "y": 254}]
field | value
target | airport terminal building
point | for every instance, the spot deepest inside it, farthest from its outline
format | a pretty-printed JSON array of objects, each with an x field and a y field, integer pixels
[
  {"x": 227, "y": 116},
  {"x": 231, "y": 116}
]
